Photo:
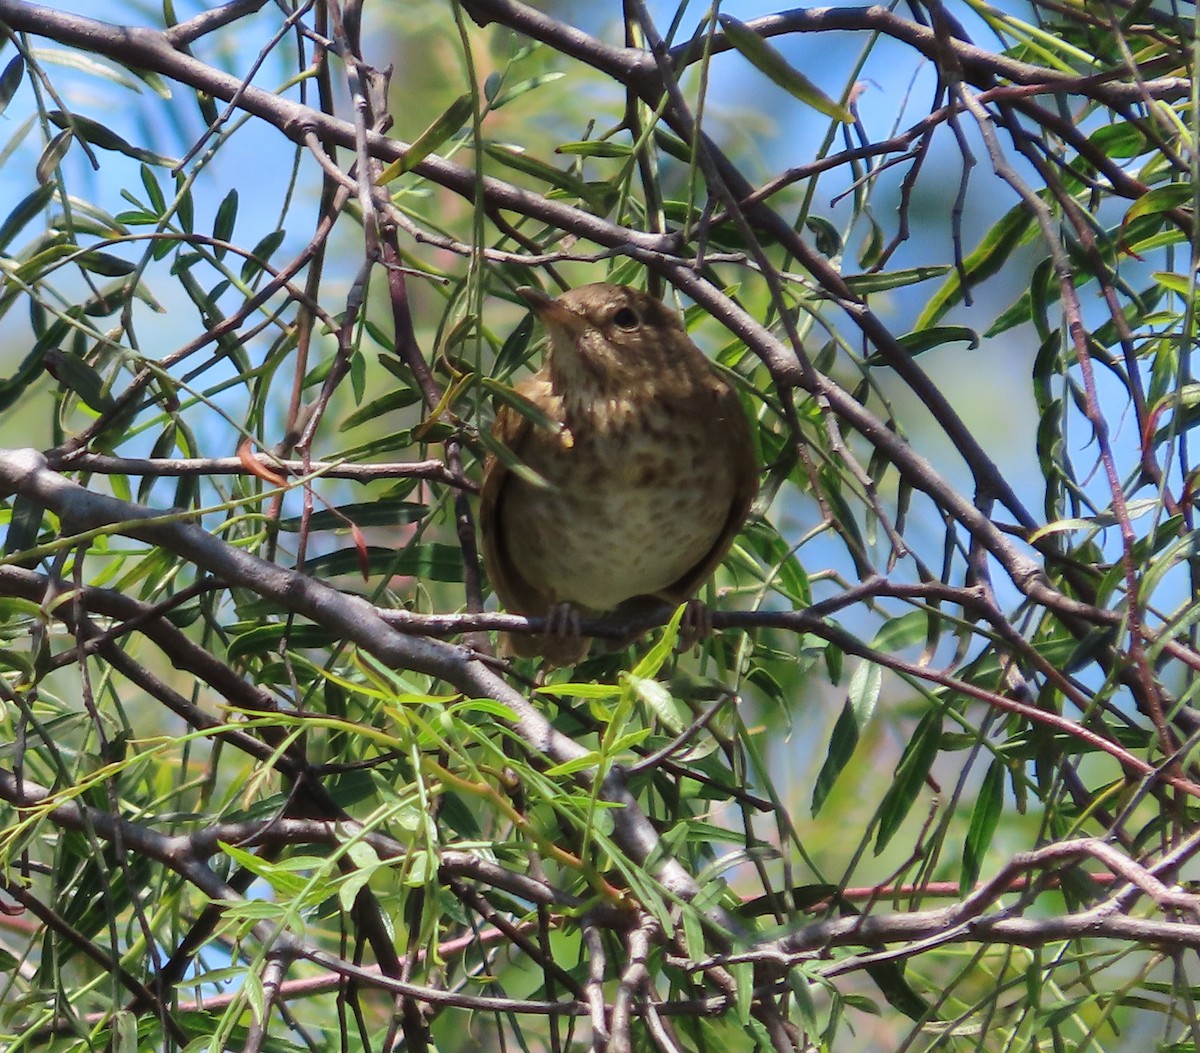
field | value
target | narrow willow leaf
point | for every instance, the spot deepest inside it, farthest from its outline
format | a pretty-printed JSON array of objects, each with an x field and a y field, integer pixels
[
  {"x": 54, "y": 152},
  {"x": 595, "y": 148},
  {"x": 448, "y": 124},
  {"x": 516, "y": 158},
  {"x": 904, "y": 631},
  {"x": 108, "y": 301},
  {"x": 828, "y": 237},
  {"x": 432, "y": 561},
  {"x": 767, "y": 60},
  {"x": 869, "y": 283},
  {"x": 13, "y": 387},
  {"x": 522, "y": 88},
  {"x": 395, "y": 400},
  {"x": 492, "y": 85},
  {"x": 23, "y": 525},
  {"x": 158, "y": 200},
  {"x": 672, "y": 146},
  {"x": 366, "y": 514},
  {"x": 587, "y": 691},
  {"x": 522, "y": 405},
  {"x": 225, "y": 220},
  {"x": 43, "y": 260},
  {"x": 842, "y": 744},
  {"x": 94, "y": 67},
  {"x": 658, "y": 697},
  {"x": 1180, "y": 549},
  {"x": 985, "y": 817},
  {"x": 265, "y": 639},
  {"x": 185, "y": 208},
  {"x": 10, "y": 80},
  {"x": 28, "y": 207},
  {"x": 924, "y": 339},
  {"x": 663, "y": 648},
  {"x": 512, "y": 352},
  {"x": 910, "y": 777},
  {"x": 105, "y": 138},
  {"x": 744, "y": 999},
  {"x": 1119, "y": 140},
  {"x": 1160, "y": 199},
  {"x": 509, "y": 459},
  {"x": 989, "y": 256},
  {"x": 164, "y": 446},
  {"x": 78, "y": 376},
  {"x": 872, "y": 247},
  {"x": 106, "y": 264},
  {"x": 861, "y": 697},
  {"x": 260, "y": 255}
]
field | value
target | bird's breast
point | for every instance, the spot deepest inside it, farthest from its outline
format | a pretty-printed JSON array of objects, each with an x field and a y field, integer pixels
[{"x": 636, "y": 497}]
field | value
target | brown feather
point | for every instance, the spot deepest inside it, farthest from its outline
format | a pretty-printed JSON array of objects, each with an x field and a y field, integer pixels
[{"x": 651, "y": 474}]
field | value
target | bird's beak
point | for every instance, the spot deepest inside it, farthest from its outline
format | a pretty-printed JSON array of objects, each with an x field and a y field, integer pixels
[{"x": 554, "y": 315}]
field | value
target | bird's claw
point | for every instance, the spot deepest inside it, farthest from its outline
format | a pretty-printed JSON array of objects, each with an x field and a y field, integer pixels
[
  {"x": 695, "y": 625},
  {"x": 562, "y": 620}
]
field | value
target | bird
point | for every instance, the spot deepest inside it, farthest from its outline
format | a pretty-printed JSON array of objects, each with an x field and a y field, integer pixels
[{"x": 639, "y": 469}]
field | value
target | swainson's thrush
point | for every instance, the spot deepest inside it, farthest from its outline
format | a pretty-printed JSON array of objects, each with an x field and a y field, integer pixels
[{"x": 650, "y": 470}]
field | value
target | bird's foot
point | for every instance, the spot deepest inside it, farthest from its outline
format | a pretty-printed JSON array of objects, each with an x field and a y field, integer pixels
[
  {"x": 562, "y": 619},
  {"x": 695, "y": 625},
  {"x": 561, "y": 644}
]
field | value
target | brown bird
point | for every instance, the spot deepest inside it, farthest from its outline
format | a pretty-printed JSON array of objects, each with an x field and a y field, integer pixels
[{"x": 649, "y": 468}]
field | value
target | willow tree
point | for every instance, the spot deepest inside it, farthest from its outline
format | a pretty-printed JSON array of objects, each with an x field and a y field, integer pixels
[{"x": 266, "y": 783}]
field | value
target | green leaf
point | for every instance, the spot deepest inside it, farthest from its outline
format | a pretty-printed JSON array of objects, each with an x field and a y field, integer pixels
[
  {"x": 595, "y": 148},
  {"x": 225, "y": 220},
  {"x": 985, "y": 817},
  {"x": 1160, "y": 199},
  {"x": 436, "y": 562},
  {"x": 526, "y": 407},
  {"x": 394, "y": 400},
  {"x": 23, "y": 526},
  {"x": 884, "y": 280},
  {"x": 521, "y": 88},
  {"x": 10, "y": 80},
  {"x": 767, "y": 60},
  {"x": 381, "y": 513},
  {"x": 989, "y": 256},
  {"x": 150, "y": 181},
  {"x": 446, "y": 125},
  {"x": 924, "y": 339},
  {"x": 185, "y": 208},
  {"x": 106, "y": 264},
  {"x": 28, "y": 207},
  {"x": 54, "y": 152},
  {"x": 516, "y": 158},
  {"x": 842, "y": 743},
  {"x": 672, "y": 146},
  {"x": 73, "y": 373},
  {"x": 260, "y": 255},
  {"x": 657, "y": 696},
  {"x": 265, "y": 639},
  {"x": 826, "y": 235},
  {"x": 662, "y": 650},
  {"x": 512, "y": 352},
  {"x": 862, "y": 695},
  {"x": 105, "y": 138},
  {"x": 904, "y": 631},
  {"x": 910, "y": 777},
  {"x": 1119, "y": 140},
  {"x": 11, "y": 388}
]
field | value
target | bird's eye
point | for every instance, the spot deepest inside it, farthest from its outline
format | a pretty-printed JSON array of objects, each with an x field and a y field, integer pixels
[{"x": 626, "y": 318}]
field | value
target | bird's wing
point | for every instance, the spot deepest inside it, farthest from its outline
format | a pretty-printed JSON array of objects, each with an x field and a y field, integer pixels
[
  {"x": 729, "y": 413},
  {"x": 512, "y": 430}
]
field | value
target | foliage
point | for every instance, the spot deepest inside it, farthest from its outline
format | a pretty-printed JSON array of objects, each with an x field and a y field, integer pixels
[{"x": 928, "y": 786}]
